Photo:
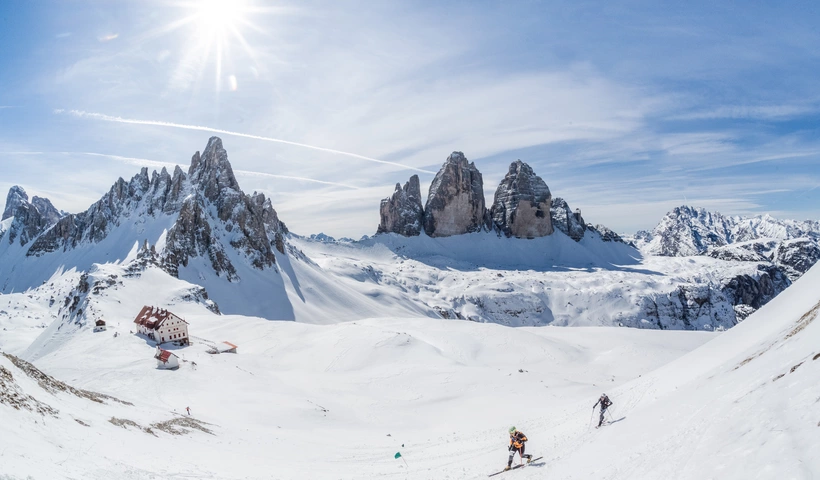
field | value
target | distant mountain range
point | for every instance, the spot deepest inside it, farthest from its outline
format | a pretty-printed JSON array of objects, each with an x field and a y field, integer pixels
[
  {"x": 526, "y": 258},
  {"x": 791, "y": 245}
]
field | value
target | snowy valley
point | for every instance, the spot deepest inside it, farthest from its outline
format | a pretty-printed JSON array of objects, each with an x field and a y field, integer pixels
[{"x": 701, "y": 331}]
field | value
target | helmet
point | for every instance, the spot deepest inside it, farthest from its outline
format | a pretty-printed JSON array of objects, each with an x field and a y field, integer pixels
[{"x": 512, "y": 429}]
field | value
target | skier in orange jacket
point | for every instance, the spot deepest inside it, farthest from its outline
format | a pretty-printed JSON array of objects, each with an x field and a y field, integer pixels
[{"x": 517, "y": 441}]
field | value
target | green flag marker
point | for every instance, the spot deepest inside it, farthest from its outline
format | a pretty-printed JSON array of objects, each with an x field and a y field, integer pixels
[{"x": 398, "y": 454}]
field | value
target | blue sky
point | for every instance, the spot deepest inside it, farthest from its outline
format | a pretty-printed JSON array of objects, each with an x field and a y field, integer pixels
[{"x": 625, "y": 110}]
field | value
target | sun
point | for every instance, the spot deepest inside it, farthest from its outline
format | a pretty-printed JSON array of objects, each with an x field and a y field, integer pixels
[
  {"x": 212, "y": 36},
  {"x": 219, "y": 15}
]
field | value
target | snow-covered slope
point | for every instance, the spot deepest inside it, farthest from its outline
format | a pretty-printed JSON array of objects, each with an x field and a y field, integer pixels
[
  {"x": 549, "y": 280},
  {"x": 338, "y": 401},
  {"x": 299, "y": 400},
  {"x": 745, "y": 405}
]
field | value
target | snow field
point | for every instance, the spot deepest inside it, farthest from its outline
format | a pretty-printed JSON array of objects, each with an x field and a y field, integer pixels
[{"x": 320, "y": 401}]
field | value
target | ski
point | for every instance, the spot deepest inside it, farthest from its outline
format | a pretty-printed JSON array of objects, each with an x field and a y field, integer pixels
[{"x": 520, "y": 465}]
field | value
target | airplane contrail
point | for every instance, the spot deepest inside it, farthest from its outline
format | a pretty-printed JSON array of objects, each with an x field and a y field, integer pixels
[
  {"x": 109, "y": 118},
  {"x": 142, "y": 162}
]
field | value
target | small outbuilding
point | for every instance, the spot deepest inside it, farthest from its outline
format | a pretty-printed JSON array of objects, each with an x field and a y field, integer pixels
[
  {"x": 226, "y": 347},
  {"x": 166, "y": 360},
  {"x": 99, "y": 325}
]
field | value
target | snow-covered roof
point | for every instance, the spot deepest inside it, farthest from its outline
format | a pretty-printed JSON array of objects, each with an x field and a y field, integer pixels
[
  {"x": 164, "y": 355},
  {"x": 225, "y": 346},
  {"x": 153, "y": 317}
]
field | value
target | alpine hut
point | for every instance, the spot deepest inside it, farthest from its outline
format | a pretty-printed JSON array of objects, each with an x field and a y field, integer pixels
[{"x": 161, "y": 326}]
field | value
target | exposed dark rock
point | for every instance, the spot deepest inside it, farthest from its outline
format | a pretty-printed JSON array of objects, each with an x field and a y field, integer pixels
[
  {"x": 606, "y": 234},
  {"x": 522, "y": 203},
  {"x": 744, "y": 252},
  {"x": 30, "y": 218},
  {"x": 17, "y": 196},
  {"x": 756, "y": 290},
  {"x": 455, "y": 204},
  {"x": 191, "y": 236},
  {"x": 402, "y": 213},
  {"x": 797, "y": 256},
  {"x": 565, "y": 220}
]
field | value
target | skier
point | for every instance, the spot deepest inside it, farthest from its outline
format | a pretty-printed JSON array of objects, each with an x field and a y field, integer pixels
[
  {"x": 517, "y": 440},
  {"x": 605, "y": 403},
  {"x": 188, "y": 409}
]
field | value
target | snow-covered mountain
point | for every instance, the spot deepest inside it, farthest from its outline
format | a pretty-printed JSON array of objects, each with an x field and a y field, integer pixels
[
  {"x": 793, "y": 246},
  {"x": 201, "y": 227},
  {"x": 689, "y": 231}
]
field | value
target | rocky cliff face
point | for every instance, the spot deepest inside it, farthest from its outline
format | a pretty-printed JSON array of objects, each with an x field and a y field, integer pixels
[
  {"x": 455, "y": 204},
  {"x": 522, "y": 203},
  {"x": 30, "y": 218},
  {"x": 239, "y": 216},
  {"x": 402, "y": 212},
  {"x": 796, "y": 256},
  {"x": 17, "y": 196},
  {"x": 565, "y": 220}
]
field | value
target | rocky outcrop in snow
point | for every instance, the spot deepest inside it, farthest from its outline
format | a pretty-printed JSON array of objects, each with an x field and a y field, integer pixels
[
  {"x": 402, "y": 212},
  {"x": 522, "y": 203},
  {"x": 565, "y": 220},
  {"x": 606, "y": 234},
  {"x": 796, "y": 256},
  {"x": 455, "y": 204},
  {"x": 760, "y": 251}
]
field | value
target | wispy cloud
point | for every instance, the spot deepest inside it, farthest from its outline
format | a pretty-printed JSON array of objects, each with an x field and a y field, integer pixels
[
  {"x": 108, "y": 118},
  {"x": 108, "y": 38},
  {"x": 63, "y": 35},
  {"x": 751, "y": 112}
]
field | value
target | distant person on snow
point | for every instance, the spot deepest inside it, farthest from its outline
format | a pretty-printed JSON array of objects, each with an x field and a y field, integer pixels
[
  {"x": 605, "y": 403},
  {"x": 517, "y": 440},
  {"x": 188, "y": 409}
]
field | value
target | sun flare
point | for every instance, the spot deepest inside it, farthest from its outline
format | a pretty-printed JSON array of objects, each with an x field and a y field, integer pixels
[
  {"x": 215, "y": 40},
  {"x": 219, "y": 14}
]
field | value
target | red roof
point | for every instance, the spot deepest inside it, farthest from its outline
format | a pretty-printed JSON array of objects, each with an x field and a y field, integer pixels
[
  {"x": 153, "y": 317},
  {"x": 163, "y": 355}
]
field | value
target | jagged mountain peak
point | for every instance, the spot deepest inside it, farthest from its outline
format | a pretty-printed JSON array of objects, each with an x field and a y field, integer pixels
[
  {"x": 16, "y": 197},
  {"x": 212, "y": 172}
]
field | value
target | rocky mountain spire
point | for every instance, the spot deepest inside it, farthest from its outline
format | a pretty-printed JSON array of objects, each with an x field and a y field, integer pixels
[
  {"x": 565, "y": 220},
  {"x": 212, "y": 172},
  {"x": 455, "y": 204},
  {"x": 521, "y": 207},
  {"x": 17, "y": 196},
  {"x": 402, "y": 212}
]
